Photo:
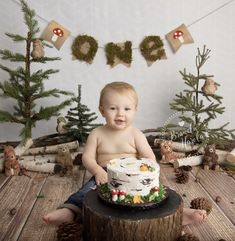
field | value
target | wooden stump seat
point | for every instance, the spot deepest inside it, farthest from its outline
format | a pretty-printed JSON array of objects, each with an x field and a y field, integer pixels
[{"x": 103, "y": 222}]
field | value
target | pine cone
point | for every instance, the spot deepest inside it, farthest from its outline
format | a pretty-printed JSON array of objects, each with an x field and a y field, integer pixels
[
  {"x": 187, "y": 168},
  {"x": 69, "y": 232},
  {"x": 188, "y": 237},
  {"x": 201, "y": 203},
  {"x": 182, "y": 177},
  {"x": 78, "y": 159}
]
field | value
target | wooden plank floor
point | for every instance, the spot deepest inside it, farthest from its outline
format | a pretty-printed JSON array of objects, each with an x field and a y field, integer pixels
[{"x": 24, "y": 200}]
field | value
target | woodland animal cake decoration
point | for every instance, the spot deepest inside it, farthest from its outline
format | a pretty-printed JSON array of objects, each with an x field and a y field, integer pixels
[
  {"x": 210, "y": 158},
  {"x": 11, "y": 164},
  {"x": 64, "y": 158},
  {"x": 168, "y": 155}
]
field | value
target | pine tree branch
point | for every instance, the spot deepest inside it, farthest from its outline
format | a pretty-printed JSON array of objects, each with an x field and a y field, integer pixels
[
  {"x": 29, "y": 18},
  {"x": 40, "y": 75},
  {"x": 8, "y": 55},
  {"x": 45, "y": 59},
  {"x": 7, "y": 117},
  {"x": 16, "y": 37},
  {"x": 45, "y": 113}
]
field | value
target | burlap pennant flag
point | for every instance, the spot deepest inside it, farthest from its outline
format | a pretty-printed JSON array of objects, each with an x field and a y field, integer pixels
[
  {"x": 56, "y": 34},
  {"x": 179, "y": 36}
]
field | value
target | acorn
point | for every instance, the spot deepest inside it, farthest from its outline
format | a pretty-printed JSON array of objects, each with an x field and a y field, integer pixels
[{"x": 218, "y": 199}]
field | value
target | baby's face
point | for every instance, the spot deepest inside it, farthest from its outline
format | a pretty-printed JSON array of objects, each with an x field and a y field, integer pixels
[{"x": 118, "y": 109}]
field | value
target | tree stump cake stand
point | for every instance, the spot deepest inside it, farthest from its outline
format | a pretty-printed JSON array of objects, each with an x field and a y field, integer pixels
[{"x": 103, "y": 222}]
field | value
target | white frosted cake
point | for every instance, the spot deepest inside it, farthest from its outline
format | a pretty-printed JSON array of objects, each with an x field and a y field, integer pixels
[{"x": 136, "y": 177}]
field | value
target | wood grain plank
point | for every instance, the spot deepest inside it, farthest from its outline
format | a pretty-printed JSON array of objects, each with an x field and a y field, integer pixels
[
  {"x": 3, "y": 180},
  {"x": 55, "y": 191},
  {"x": 218, "y": 183},
  {"x": 19, "y": 194},
  {"x": 217, "y": 225}
]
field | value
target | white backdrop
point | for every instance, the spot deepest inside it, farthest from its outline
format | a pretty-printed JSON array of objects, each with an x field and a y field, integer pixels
[{"x": 118, "y": 21}]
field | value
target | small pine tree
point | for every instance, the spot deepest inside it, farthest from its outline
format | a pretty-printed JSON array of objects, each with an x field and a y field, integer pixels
[
  {"x": 26, "y": 87},
  {"x": 196, "y": 114},
  {"x": 79, "y": 120}
]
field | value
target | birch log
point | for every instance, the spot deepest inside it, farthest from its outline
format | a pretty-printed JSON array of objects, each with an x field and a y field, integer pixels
[
  {"x": 39, "y": 167},
  {"x": 47, "y": 158},
  {"x": 50, "y": 149},
  {"x": 197, "y": 160},
  {"x": 180, "y": 147},
  {"x": 231, "y": 157}
]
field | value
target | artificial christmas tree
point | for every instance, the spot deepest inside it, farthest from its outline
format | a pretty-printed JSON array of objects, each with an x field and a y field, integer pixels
[
  {"x": 195, "y": 115},
  {"x": 24, "y": 86},
  {"x": 79, "y": 120}
]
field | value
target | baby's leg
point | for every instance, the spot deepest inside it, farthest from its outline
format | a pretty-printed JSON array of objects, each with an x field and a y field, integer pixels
[
  {"x": 191, "y": 216},
  {"x": 59, "y": 216}
]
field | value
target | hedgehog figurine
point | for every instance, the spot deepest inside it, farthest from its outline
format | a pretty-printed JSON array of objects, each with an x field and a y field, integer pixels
[
  {"x": 11, "y": 164},
  {"x": 210, "y": 158}
]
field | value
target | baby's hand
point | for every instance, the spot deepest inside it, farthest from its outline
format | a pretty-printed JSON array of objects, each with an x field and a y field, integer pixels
[{"x": 101, "y": 176}]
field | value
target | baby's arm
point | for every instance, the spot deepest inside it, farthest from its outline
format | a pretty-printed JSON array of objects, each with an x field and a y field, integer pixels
[
  {"x": 143, "y": 148},
  {"x": 89, "y": 159}
]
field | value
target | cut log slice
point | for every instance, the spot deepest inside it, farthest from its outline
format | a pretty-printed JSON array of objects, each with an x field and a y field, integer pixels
[{"x": 104, "y": 223}]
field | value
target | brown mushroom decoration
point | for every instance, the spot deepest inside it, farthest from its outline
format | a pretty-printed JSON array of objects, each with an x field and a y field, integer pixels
[
  {"x": 178, "y": 35},
  {"x": 58, "y": 32}
]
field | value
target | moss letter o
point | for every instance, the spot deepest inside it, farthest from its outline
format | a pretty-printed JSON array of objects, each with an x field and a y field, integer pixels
[{"x": 84, "y": 48}]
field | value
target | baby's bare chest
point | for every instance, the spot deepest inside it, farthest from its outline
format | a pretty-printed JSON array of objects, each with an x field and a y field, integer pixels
[{"x": 116, "y": 145}]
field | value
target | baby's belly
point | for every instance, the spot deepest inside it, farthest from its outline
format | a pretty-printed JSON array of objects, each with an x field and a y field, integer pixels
[{"x": 103, "y": 159}]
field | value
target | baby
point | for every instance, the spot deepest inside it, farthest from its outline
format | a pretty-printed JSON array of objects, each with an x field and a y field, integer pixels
[{"x": 116, "y": 139}]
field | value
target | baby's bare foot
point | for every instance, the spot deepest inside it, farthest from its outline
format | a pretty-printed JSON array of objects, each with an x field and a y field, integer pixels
[
  {"x": 59, "y": 216},
  {"x": 191, "y": 216}
]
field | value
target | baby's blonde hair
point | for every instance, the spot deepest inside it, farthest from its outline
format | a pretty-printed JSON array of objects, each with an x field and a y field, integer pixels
[{"x": 120, "y": 87}]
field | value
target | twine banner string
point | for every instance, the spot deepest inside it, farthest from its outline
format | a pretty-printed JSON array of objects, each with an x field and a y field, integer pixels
[{"x": 189, "y": 25}]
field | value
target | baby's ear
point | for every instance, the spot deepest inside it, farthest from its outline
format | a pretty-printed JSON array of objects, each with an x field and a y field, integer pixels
[{"x": 101, "y": 110}]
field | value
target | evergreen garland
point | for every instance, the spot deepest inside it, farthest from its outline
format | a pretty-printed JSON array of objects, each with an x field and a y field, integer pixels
[
  {"x": 113, "y": 50},
  {"x": 26, "y": 87},
  {"x": 79, "y": 120},
  {"x": 191, "y": 101}
]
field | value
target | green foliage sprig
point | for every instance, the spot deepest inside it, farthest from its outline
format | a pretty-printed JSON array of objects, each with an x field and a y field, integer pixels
[{"x": 80, "y": 120}]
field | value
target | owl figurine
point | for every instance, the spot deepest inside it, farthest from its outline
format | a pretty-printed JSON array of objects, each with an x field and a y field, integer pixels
[
  {"x": 209, "y": 87},
  {"x": 38, "y": 51},
  {"x": 11, "y": 164},
  {"x": 60, "y": 128},
  {"x": 210, "y": 158}
]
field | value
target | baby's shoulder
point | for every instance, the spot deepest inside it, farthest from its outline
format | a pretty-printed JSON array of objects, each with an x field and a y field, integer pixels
[
  {"x": 97, "y": 131},
  {"x": 136, "y": 131}
]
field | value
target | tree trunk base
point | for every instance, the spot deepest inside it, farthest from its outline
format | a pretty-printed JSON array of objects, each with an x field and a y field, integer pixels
[{"x": 106, "y": 223}]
